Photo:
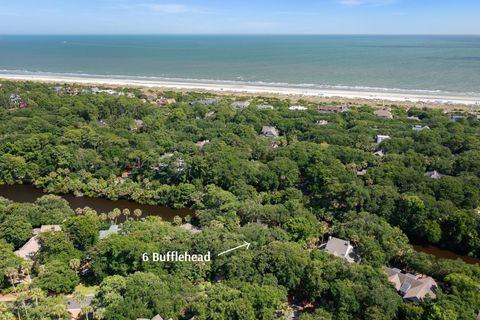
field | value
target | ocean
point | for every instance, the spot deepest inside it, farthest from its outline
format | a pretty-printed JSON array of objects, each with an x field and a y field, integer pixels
[{"x": 410, "y": 63}]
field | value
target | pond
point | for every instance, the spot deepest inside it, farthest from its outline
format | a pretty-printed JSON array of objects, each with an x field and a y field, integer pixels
[
  {"x": 445, "y": 254},
  {"x": 28, "y": 193}
]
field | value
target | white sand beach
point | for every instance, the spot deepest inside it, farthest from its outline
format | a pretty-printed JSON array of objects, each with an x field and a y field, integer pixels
[{"x": 258, "y": 89}]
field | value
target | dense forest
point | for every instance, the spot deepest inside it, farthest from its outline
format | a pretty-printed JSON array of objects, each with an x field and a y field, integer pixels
[{"x": 283, "y": 179}]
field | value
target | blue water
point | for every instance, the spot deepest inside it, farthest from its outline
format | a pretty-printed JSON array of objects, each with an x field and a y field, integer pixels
[{"x": 446, "y": 63}]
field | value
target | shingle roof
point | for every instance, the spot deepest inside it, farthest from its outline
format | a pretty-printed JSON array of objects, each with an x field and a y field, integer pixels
[{"x": 411, "y": 287}]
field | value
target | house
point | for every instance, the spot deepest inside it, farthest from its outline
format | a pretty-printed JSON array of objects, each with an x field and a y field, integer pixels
[
  {"x": 322, "y": 122},
  {"x": 151, "y": 97},
  {"x": 16, "y": 99},
  {"x": 56, "y": 88},
  {"x": 157, "y": 317},
  {"x": 362, "y": 173},
  {"x": 240, "y": 104},
  {"x": 414, "y": 118},
  {"x": 419, "y": 128},
  {"x": 137, "y": 124},
  {"x": 455, "y": 118},
  {"x": 114, "y": 229},
  {"x": 166, "y": 101},
  {"x": 265, "y": 107},
  {"x": 381, "y": 138},
  {"x": 342, "y": 249},
  {"x": 414, "y": 288},
  {"x": 379, "y": 153},
  {"x": 270, "y": 132},
  {"x": 209, "y": 115},
  {"x": 333, "y": 109},
  {"x": 130, "y": 95},
  {"x": 202, "y": 143},
  {"x": 206, "y": 102},
  {"x": 297, "y": 108},
  {"x": 434, "y": 174},
  {"x": 72, "y": 91},
  {"x": 30, "y": 249},
  {"x": 190, "y": 227},
  {"x": 384, "y": 114}
]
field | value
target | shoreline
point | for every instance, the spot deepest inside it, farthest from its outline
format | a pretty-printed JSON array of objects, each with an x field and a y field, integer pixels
[{"x": 402, "y": 97}]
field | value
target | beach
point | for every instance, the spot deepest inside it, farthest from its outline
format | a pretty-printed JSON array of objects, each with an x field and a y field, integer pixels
[{"x": 237, "y": 87}]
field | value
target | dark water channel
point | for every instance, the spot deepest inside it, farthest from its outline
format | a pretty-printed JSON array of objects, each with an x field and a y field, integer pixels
[{"x": 28, "y": 193}]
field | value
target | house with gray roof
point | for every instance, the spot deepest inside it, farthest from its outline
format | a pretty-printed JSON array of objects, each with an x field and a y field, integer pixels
[
  {"x": 384, "y": 114},
  {"x": 381, "y": 138},
  {"x": 333, "y": 109},
  {"x": 270, "y": 132},
  {"x": 419, "y": 128},
  {"x": 342, "y": 249},
  {"x": 434, "y": 174},
  {"x": 240, "y": 104},
  {"x": 414, "y": 288},
  {"x": 32, "y": 246},
  {"x": 114, "y": 229}
]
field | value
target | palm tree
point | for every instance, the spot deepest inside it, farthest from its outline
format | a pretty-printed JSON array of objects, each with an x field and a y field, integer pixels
[
  {"x": 36, "y": 294},
  {"x": 111, "y": 216},
  {"x": 12, "y": 275},
  {"x": 21, "y": 299},
  {"x": 59, "y": 310},
  {"x": 78, "y": 211},
  {"x": 137, "y": 213},
  {"x": 4, "y": 312},
  {"x": 103, "y": 217},
  {"x": 99, "y": 314},
  {"x": 126, "y": 212},
  {"x": 75, "y": 264},
  {"x": 116, "y": 213},
  {"x": 86, "y": 310}
]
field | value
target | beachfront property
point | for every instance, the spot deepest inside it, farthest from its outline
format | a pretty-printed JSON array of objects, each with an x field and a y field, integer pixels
[
  {"x": 380, "y": 138},
  {"x": 434, "y": 175},
  {"x": 270, "y": 132},
  {"x": 333, "y": 109},
  {"x": 32, "y": 246},
  {"x": 206, "y": 102},
  {"x": 297, "y": 108},
  {"x": 165, "y": 101},
  {"x": 342, "y": 249},
  {"x": 72, "y": 91},
  {"x": 240, "y": 104},
  {"x": 419, "y": 128},
  {"x": 15, "y": 99},
  {"x": 383, "y": 113},
  {"x": 413, "y": 288}
]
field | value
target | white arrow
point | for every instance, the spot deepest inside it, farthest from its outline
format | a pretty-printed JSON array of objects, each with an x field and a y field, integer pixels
[{"x": 246, "y": 244}]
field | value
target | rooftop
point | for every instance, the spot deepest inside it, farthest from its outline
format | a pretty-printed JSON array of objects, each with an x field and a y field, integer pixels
[{"x": 411, "y": 287}]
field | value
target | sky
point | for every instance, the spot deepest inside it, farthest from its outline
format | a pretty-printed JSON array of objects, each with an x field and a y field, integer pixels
[{"x": 240, "y": 17}]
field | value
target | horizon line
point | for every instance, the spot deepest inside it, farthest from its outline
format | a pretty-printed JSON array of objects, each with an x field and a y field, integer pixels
[{"x": 240, "y": 34}]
